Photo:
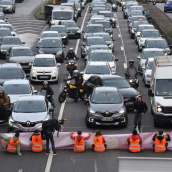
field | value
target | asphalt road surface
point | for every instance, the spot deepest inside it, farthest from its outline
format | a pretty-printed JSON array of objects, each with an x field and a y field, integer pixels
[{"x": 66, "y": 160}]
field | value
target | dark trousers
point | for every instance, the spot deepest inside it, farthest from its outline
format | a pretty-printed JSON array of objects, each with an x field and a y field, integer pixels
[
  {"x": 49, "y": 138},
  {"x": 137, "y": 120}
]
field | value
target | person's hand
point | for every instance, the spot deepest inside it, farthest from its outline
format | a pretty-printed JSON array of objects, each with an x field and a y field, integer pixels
[{"x": 19, "y": 154}]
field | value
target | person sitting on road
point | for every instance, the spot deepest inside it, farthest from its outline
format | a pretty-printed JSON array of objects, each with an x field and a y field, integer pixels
[
  {"x": 131, "y": 70},
  {"x": 79, "y": 144},
  {"x": 160, "y": 142},
  {"x": 13, "y": 143},
  {"x": 4, "y": 99},
  {"x": 134, "y": 142},
  {"x": 71, "y": 55},
  {"x": 99, "y": 142},
  {"x": 36, "y": 139}
]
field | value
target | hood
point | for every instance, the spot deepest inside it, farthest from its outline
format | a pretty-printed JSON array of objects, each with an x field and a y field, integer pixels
[
  {"x": 14, "y": 98},
  {"x": 44, "y": 69},
  {"x": 129, "y": 92},
  {"x": 49, "y": 50},
  {"x": 163, "y": 101},
  {"x": 32, "y": 117},
  {"x": 106, "y": 107},
  {"x": 7, "y": 47},
  {"x": 21, "y": 59},
  {"x": 72, "y": 29}
]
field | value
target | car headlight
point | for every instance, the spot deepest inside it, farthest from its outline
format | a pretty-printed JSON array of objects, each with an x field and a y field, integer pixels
[
  {"x": 92, "y": 111},
  {"x": 130, "y": 80},
  {"x": 34, "y": 72},
  {"x": 111, "y": 35},
  {"x": 159, "y": 108},
  {"x": 53, "y": 22},
  {"x": 54, "y": 72},
  {"x": 121, "y": 111}
]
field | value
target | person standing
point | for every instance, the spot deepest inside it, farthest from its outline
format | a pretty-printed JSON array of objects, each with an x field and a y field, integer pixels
[
  {"x": 140, "y": 108},
  {"x": 99, "y": 142},
  {"x": 134, "y": 142},
  {"x": 79, "y": 141},
  {"x": 13, "y": 143},
  {"x": 160, "y": 142},
  {"x": 48, "y": 129}
]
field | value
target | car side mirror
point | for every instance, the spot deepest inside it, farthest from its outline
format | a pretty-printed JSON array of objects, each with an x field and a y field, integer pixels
[
  {"x": 150, "y": 93},
  {"x": 35, "y": 91}
]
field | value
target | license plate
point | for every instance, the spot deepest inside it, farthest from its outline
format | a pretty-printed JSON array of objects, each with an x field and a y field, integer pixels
[
  {"x": 43, "y": 77},
  {"x": 107, "y": 119}
]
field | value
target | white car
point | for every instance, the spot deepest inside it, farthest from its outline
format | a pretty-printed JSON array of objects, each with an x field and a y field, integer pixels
[
  {"x": 44, "y": 68},
  {"x": 17, "y": 88},
  {"x": 96, "y": 68},
  {"x": 147, "y": 74}
]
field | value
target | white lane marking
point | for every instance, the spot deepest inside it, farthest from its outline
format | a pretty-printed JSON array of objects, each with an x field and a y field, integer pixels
[
  {"x": 50, "y": 157},
  {"x": 122, "y": 48},
  {"x": 95, "y": 166},
  {"x": 119, "y": 35}
]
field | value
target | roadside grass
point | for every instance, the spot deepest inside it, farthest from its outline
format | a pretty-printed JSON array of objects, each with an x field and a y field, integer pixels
[{"x": 170, "y": 34}]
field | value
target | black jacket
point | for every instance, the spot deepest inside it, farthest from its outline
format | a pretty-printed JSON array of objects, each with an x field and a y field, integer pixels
[
  {"x": 140, "y": 106},
  {"x": 49, "y": 91},
  {"x": 160, "y": 137}
]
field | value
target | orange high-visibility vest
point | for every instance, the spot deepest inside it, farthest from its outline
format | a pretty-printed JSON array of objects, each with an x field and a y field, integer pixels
[
  {"x": 12, "y": 145},
  {"x": 160, "y": 146},
  {"x": 37, "y": 143},
  {"x": 134, "y": 145},
  {"x": 99, "y": 144},
  {"x": 79, "y": 145}
]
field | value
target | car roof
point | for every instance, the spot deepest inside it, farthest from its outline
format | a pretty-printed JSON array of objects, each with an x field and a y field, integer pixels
[
  {"x": 10, "y": 65},
  {"x": 97, "y": 63},
  {"x": 101, "y": 51},
  {"x": 102, "y": 89},
  {"x": 49, "y": 31},
  {"x": 21, "y": 47},
  {"x": 48, "y": 38},
  {"x": 32, "y": 98},
  {"x": 95, "y": 25},
  {"x": 44, "y": 56},
  {"x": 58, "y": 26},
  {"x": 153, "y": 49},
  {"x": 154, "y": 39},
  {"x": 156, "y": 30},
  {"x": 16, "y": 81}
]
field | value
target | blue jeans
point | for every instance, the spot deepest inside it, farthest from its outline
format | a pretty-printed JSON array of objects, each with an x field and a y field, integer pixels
[{"x": 49, "y": 137}]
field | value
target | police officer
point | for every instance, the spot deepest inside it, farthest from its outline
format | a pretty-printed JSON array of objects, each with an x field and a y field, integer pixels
[{"x": 131, "y": 70}]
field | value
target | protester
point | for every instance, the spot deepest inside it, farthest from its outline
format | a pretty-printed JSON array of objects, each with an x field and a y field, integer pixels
[
  {"x": 134, "y": 142},
  {"x": 13, "y": 143},
  {"x": 36, "y": 139},
  {"x": 99, "y": 142},
  {"x": 160, "y": 141},
  {"x": 79, "y": 144},
  {"x": 140, "y": 108}
]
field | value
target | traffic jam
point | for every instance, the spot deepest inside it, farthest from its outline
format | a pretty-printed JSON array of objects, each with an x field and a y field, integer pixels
[{"x": 79, "y": 73}]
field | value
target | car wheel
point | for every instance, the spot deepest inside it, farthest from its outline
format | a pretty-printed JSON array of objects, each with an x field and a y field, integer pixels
[
  {"x": 123, "y": 125},
  {"x": 165, "y": 10}
]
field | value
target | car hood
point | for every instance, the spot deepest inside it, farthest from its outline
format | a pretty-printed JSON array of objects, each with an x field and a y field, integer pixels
[
  {"x": 72, "y": 29},
  {"x": 44, "y": 69},
  {"x": 50, "y": 50},
  {"x": 106, "y": 107},
  {"x": 7, "y": 47},
  {"x": 21, "y": 59},
  {"x": 14, "y": 98},
  {"x": 163, "y": 101},
  {"x": 32, "y": 117},
  {"x": 128, "y": 92}
]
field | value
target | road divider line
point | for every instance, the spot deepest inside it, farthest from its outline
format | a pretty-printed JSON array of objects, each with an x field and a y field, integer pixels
[{"x": 49, "y": 162}]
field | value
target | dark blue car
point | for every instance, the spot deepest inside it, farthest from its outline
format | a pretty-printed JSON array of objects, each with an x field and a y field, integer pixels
[{"x": 168, "y": 6}]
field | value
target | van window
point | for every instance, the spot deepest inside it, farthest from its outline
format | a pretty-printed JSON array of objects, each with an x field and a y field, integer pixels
[
  {"x": 160, "y": 90},
  {"x": 62, "y": 15}
]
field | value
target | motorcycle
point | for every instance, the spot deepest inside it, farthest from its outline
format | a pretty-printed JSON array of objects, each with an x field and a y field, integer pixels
[
  {"x": 114, "y": 8},
  {"x": 134, "y": 82},
  {"x": 71, "y": 65}
]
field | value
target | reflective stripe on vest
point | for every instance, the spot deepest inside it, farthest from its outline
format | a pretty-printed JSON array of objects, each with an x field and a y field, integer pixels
[
  {"x": 160, "y": 146},
  {"x": 134, "y": 145},
  {"x": 79, "y": 145},
  {"x": 99, "y": 144}
]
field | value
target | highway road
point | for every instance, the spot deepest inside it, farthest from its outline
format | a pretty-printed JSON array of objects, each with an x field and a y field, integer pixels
[{"x": 66, "y": 160}]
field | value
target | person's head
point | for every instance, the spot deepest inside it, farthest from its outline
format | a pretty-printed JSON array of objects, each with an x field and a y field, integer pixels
[
  {"x": 160, "y": 132},
  {"x": 131, "y": 63},
  {"x": 139, "y": 98},
  {"x": 134, "y": 132},
  {"x": 75, "y": 73},
  {"x": 79, "y": 132},
  {"x": 17, "y": 134},
  {"x": 98, "y": 133},
  {"x": 1, "y": 92},
  {"x": 45, "y": 84}
]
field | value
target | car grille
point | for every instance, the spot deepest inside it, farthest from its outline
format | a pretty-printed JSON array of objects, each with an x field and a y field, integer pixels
[
  {"x": 44, "y": 72},
  {"x": 167, "y": 109},
  {"x": 106, "y": 114},
  {"x": 43, "y": 77},
  {"x": 28, "y": 124}
]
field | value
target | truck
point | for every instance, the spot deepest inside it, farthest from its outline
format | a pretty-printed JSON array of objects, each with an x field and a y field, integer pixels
[{"x": 160, "y": 91}]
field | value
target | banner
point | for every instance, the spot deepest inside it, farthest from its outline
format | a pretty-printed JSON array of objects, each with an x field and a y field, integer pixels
[{"x": 118, "y": 141}]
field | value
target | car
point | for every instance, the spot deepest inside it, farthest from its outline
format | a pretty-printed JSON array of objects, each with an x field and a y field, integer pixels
[
  {"x": 168, "y": 6},
  {"x": 44, "y": 68},
  {"x": 136, "y": 18},
  {"x": 61, "y": 29},
  {"x": 8, "y": 6},
  {"x": 96, "y": 9},
  {"x": 29, "y": 112},
  {"x": 97, "y": 47},
  {"x": 73, "y": 30},
  {"x": 9, "y": 42},
  {"x": 157, "y": 43},
  {"x": 22, "y": 55},
  {"x": 135, "y": 7},
  {"x": 48, "y": 34},
  {"x": 144, "y": 34},
  {"x": 96, "y": 68},
  {"x": 4, "y": 32},
  {"x": 105, "y": 56},
  {"x": 10, "y": 71},
  {"x": 52, "y": 46},
  {"x": 9, "y": 26},
  {"x": 147, "y": 53},
  {"x": 17, "y": 88},
  {"x": 106, "y": 108},
  {"x": 135, "y": 13},
  {"x": 147, "y": 74}
]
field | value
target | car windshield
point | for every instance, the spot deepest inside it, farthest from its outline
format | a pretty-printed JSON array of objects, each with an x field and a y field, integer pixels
[
  {"x": 6, "y": 26},
  {"x": 140, "y": 28},
  {"x": 116, "y": 82},
  {"x": 95, "y": 41},
  {"x": 147, "y": 54},
  {"x": 44, "y": 35},
  {"x": 137, "y": 23},
  {"x": 136, "y": 8},
  {"x": 62, "y": 15},
  {"x": 70, "y": 24},
  {"x": 5, "y": 3},
  {"x": 106, "y": 14},
  {"x": 136, "y": 13},
  {"x": 156, "y": 44},
  {"x": 11, "y": 41},
  {"x": 101, "y": 69},
  {"x": 106, "y": 97},
  {"x": 11, "y": 73},
  {"x": 149, "y": 65},
  {"x": 50, "y": 43},
  {"x": 21, "y": 52},
  {"x": 150, "y": 34},
  {"x": 58, "y": 29},
  {"x": 30, "y": 106},
  {"x": 100, "y": 56},
  {"x": 161, "y": 90},
  {"x": 169, "y": 2},
  {"x": 5, "y": 32},
  {"x": 13, "y": 89},
  {"x": 94, "y": 29},
  {"x": 44, "y": 62},
  {"x": 106, "y": 24}
]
